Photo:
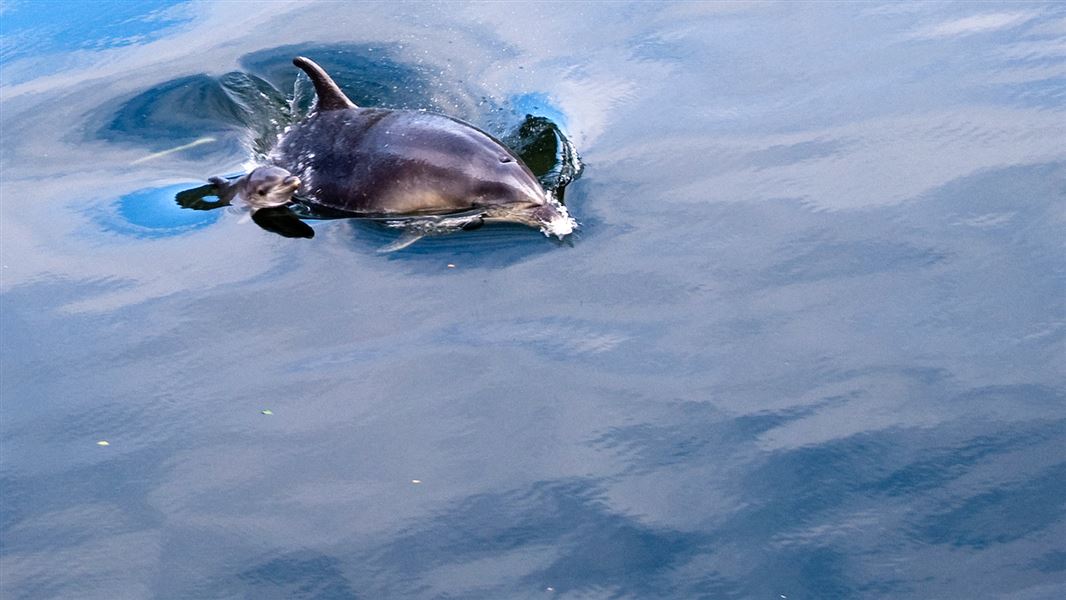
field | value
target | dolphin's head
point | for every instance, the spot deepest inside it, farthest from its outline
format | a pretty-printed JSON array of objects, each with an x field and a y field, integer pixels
[
  {"x": 513, "y": 195},
  {"x": 551, "y": 217},
  {"x": 268, "y": 186}
]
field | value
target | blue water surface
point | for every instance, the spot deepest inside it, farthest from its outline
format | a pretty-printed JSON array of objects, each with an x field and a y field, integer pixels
[{"x": 808, "y": 342}]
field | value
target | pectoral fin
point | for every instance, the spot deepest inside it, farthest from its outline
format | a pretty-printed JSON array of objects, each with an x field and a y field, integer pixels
[{"x": 282, "y": 221}]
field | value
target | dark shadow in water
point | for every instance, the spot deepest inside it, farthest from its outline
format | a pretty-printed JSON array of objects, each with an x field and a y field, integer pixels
[
  {"x": 1002, "y": 515},
  {"x": 563, "y": 529},
  {"x": 828, "y": 486},
  {"x": 599, "y": 551},
  {"x": 304, "y": 575},
  {"x": 1052, "y": 562},
  {"x": 95, "y": 484},
  {"x": 700, "y": 434},
  {"x": 833, "y": 259}
]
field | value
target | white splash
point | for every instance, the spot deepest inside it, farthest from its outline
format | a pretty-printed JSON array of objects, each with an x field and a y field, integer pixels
[{"x": 562, "y": 225}]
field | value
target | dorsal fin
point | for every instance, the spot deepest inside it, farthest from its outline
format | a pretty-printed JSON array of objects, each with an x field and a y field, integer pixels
[{"x": 330, "y": 97}]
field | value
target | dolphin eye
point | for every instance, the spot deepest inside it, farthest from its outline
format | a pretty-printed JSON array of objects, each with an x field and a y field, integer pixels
[
  {"x": 506, "y": 159},
  {"x": 262, "y": 192}
]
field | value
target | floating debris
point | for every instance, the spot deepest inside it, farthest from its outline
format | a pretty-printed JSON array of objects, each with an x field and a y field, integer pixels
[
  {"x": 416, "y": 481},
  {"x": 103, "y": 443},
  {"x": 267, "y": 411},
  {"x": 451, "y": 266}
]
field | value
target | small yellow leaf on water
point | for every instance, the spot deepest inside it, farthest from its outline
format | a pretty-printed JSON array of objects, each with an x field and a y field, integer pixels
[
  {"x": 267, "y": 411},
  {"x": 416, "y": 481},
  {"x": 103, "y": 443}
]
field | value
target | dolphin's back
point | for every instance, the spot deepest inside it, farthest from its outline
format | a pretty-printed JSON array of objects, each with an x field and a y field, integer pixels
[{"x": 381, "y": 161}]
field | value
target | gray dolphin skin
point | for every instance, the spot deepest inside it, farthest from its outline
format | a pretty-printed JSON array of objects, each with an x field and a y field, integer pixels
[{"x": 382, "y": 162}]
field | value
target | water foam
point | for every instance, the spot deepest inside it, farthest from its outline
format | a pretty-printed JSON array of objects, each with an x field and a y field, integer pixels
[{"x": 560, "y": 226}]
